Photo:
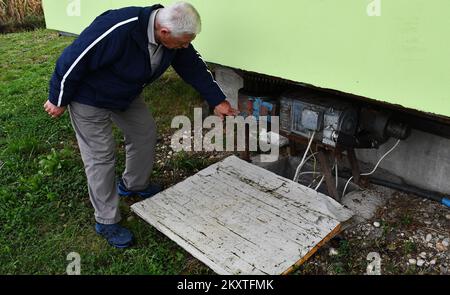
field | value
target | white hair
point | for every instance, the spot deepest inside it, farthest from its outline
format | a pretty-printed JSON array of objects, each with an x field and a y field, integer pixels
[{"x": 180, "y": 18}]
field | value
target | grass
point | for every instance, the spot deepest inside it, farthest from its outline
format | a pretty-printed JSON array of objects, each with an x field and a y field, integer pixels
[{"x": 44, "y": 208}]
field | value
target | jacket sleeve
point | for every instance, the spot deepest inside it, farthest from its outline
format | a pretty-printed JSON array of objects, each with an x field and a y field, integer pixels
[
  {"x": 192, "y": 69},
  {"x": 98, "y": 45}
]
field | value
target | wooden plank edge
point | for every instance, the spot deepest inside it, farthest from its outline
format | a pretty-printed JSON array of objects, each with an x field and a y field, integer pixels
[
  {"x": 181, "y": 242},
  {"x": 333, "y": 233}
]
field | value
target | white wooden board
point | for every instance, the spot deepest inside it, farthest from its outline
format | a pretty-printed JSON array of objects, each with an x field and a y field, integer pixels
[{"x": 238, "y": 218}]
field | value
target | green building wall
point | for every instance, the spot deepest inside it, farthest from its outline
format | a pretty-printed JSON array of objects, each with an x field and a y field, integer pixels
[{"x": 394, "y": 51}]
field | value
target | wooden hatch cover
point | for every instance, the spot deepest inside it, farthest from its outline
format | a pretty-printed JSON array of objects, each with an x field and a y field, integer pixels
[{"x": 239, "y": 218}]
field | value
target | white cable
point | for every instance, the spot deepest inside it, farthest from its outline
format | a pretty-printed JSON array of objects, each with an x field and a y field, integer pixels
[
  {"x": 304, "y": 157},
  {"x": 382, "y": 158},
  {"x": 314, "y": 180},
  {"x": 315, "y": 160},
  {"x": 300, "y": 166},
  {"x": 323, "y": 178},
  {"x": 336, "y": 171},
  {"x": 320, "y": 183},
  {"x": 374, "y": 169},
  {"x": 345, "y": 187}
]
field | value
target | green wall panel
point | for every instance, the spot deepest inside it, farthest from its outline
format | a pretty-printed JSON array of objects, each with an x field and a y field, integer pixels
[{"x": 399, "y": 57}]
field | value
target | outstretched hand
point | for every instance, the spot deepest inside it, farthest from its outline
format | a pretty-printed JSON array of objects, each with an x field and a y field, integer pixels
[{"x": 225, "y": 109}]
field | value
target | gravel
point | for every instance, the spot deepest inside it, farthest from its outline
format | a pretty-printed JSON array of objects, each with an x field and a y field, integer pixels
[
  {"x": 420, "y": 262},
  {"x": 333, "y": 252},
  {"x": 412, "y": 261},
  {"x": 408, "y": 241},
  {"x": 445, "y": 242}
]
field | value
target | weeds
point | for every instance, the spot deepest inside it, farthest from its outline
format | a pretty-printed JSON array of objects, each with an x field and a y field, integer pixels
[
  {"x": 406, "y": 219},
  {"x": 409, "y": 247},
  {"x": 20, "y": 14}
]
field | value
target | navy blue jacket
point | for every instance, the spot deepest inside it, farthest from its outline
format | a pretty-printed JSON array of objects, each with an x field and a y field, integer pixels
[{"x": 108, "y": 65}]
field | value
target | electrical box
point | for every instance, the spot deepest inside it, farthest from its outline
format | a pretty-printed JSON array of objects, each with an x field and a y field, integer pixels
[{"x": 305, "y": 112}]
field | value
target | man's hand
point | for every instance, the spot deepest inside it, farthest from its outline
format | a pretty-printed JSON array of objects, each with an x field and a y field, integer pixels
[
  {"x": 53, "y": 110},
  {"x": 225, "y": 109}
]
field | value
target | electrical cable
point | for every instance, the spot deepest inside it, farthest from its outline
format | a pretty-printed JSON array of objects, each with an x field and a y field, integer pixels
[
  {"x": 315, "y": 160},
  {"x": 314, "y": 180},
  {"x": 374, "y": 169},
  {"x": 320, "y": 183},
  {"x": 297, "y": 171},
  {"x": 301, "y": 165},
  {"x": 336, "y": 172}
]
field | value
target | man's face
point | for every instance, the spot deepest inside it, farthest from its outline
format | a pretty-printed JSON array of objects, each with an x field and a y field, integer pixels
[{"x": 175, "y": 42}]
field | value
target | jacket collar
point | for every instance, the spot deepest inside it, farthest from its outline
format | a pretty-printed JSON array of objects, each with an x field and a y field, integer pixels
[{"x": 140, "y": 34}]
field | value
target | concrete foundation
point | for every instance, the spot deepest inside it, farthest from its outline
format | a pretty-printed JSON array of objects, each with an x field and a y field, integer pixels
[
  {"x": 422, "y": 160},
  {"x": 230, "y": 82}
]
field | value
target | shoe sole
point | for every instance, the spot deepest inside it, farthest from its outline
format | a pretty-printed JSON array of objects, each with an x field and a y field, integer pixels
[
  {"x": 123, "y": 194},
  {"x": 122, "y": 246},
  {"x": 140, "y": 195}
]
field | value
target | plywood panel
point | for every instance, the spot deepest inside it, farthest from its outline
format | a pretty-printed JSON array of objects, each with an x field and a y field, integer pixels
[{"x": 238, "y": 218}]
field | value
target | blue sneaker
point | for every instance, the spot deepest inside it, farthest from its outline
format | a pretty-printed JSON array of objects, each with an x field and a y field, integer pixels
[
  {"x": 116, "y": 235},
  {"x": 150, "y": 191}
]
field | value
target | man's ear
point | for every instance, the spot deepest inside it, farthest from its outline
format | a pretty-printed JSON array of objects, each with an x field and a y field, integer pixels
[{"x": 165, "y": 32}]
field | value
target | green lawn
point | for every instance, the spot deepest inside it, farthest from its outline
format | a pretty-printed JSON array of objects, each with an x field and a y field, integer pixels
[{"x": 44, "y": 208}]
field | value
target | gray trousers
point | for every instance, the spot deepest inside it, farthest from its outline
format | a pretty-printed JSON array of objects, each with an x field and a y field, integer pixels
[{"x": 93, "y": 128}]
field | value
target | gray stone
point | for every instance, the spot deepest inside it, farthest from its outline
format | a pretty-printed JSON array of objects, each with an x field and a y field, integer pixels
[
  {"x": 420, "y": 262},
  {"x": 333, "y": 252},
  {"x": 445, "y": 242},
  {"x": 366, "y": 203},
  {"x": 376, "y": 224},
  {"x": 412, "y": 261},
  {"x": 423, "y": 255},
  {"x": 440, "y": 247},
  {"x": 428, "y": 238}
]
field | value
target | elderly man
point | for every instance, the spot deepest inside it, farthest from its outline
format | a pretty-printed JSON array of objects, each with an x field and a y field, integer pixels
[{"x": 100, "y": 77}]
